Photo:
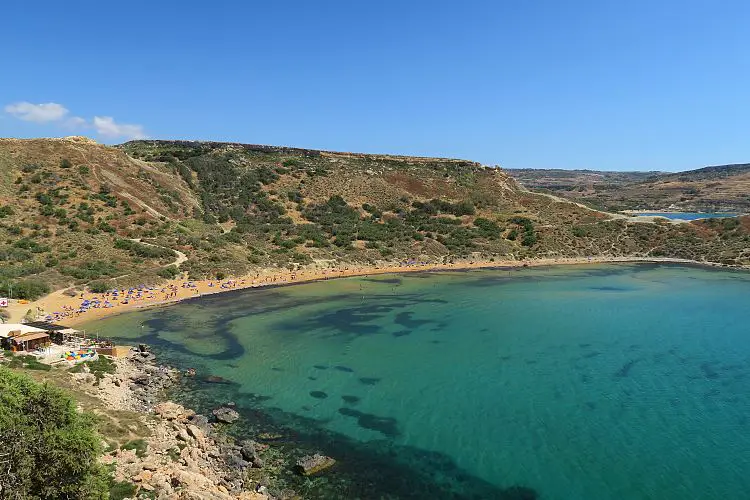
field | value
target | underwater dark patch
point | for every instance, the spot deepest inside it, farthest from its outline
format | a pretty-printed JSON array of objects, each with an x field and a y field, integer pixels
[
  {"x": 592, "y": 354},
  {"x": 405, "y": 319},
  {"x": 345, "y": 369},
  {"x": 384, "y": 425},
  {"x": 610, "y": 288},
  {"x": 402, "y": 333},
  {"x": 320, "y": 367},
  {"x": 352, "y": 400},
  {"x": 708, "y": 371},
  {"x": 369, "y": 380},
  {"x": 710, "y": 394},
  {"x": 388, "y": 281},
  {"x": 215, "y": 379},
  {"x": 624, "y": 371},
  {"x": 318, "y": 394}
]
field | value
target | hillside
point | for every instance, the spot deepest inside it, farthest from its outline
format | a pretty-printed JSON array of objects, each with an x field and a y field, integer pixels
[
  {"x": 74, "y": 212},
  {"x": 709, "y": 189}
]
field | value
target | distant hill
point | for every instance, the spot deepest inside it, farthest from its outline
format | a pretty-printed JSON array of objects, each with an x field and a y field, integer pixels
[
  {"x": 73, "y": 212},
  {"x": 710, "y": 189}
]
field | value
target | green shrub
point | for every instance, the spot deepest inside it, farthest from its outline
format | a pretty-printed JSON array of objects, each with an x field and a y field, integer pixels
[
  {"x": 98, "y": 286},
  {"x": 49, "y": 450},
  {"x": 169, "y": 272},
  {"x": 30, "y": 289},
  {"x": 138, "y": 445},
  {"x": 98, "y": 367}
]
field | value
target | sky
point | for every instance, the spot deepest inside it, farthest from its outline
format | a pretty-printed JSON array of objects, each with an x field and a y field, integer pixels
[{"x": 597, "y": 84}]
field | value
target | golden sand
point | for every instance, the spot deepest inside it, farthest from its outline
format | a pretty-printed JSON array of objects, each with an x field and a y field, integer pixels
[{"x": 173, "y": 291}]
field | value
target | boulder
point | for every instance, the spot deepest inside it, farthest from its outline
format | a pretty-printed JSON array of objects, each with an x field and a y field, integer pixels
[
  {"x": 312, "y": 464},
  {"x": 195, "y": 432},
  {"x": 200, "y": 421},
  {"x": 248, "y": 450},
  {"x": 225, "y": 415},
  {"x": 172, "y": 411},
  {"x": 143, "y": 379},
  {"x": 183, "y": 435}
]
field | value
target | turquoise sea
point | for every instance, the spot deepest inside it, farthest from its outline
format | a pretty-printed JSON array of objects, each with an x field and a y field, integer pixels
[{"x": 562, "y": 383}]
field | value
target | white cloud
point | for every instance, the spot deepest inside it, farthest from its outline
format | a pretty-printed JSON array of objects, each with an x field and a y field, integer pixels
[
  {"x": 108, "y": 127},
  {"x": 76, "y": 122},
  {"x": 105, "y": 126},
  {"x": 39, "y": 113}
]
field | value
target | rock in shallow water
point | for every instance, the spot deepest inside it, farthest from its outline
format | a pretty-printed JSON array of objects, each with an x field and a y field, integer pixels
[
  {"x": 225, "y": 415},
  {"x": 312, "y": 464}
]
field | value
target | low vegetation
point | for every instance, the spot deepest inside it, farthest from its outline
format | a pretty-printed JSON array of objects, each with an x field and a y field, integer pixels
[
  {"x": 48, "y": 450},
  {"x": 116, "y": 216}
]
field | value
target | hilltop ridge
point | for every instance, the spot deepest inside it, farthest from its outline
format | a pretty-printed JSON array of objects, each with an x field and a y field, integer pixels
[{"x": 73, "y": 212}]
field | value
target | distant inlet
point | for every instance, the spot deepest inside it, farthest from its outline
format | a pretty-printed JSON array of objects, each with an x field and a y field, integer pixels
[{"x": 685, "y": 215}]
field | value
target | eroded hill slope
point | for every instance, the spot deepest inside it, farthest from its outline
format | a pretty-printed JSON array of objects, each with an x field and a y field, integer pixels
[{"x": 73, "y": 212}]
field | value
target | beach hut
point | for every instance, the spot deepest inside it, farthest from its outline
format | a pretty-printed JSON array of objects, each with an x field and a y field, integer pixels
[
  {"x": 21, "y": 337},
  {"x": 31, "y": 341}
]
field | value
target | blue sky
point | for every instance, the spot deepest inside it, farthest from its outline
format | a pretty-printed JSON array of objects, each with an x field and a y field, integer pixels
[{"x": 612, "y": 85}]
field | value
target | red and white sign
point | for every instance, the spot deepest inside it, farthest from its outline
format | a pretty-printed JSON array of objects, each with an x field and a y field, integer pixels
[{"x": 3, "y": 302}]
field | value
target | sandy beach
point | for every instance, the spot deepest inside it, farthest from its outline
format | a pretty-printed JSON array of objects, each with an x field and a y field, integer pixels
[{"x": 64, "y": 309}]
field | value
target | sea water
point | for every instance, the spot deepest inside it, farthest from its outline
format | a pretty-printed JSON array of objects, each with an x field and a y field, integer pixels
[
  {"x": 577, "y": 382},
  {"x": 688, "y": 215}
]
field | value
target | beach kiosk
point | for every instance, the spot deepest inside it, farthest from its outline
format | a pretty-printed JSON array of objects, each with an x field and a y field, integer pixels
[{"x": 20, "y": 337}]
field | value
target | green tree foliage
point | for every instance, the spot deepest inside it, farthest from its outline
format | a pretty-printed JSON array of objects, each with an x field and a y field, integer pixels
[
  {"x": 30, "y": 289},
  {"x": 169, "y": 272},
  {"x": 91, "y": 270},
  {"x": 529, "y": 235},
  {"x": 143, "y": 250},
  {"x": 47, "y": 449},
  {"x": 98, "y": 286}
]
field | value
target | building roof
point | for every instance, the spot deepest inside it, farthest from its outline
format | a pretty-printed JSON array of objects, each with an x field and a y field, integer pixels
[
  {"x": 46, "y": 325},
  {"x": 30, "y": 336},
  {"x": 6, "y": 328}
]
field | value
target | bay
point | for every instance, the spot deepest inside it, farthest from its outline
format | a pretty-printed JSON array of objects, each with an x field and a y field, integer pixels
[{"x": 570, "y": 382}]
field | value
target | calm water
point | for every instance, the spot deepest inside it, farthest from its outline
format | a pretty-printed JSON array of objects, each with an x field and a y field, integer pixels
[
  {"x": 589, "y": 382},
  {"x": 688, "y": 215}
]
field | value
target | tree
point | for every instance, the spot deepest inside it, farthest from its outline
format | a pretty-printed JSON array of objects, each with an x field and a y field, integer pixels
[{"x": 47, "y": 449}]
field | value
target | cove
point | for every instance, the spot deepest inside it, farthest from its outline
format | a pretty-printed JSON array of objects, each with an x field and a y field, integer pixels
[
  {"x": 687, "y": 215},
  {"x": 571, "y": 382}
]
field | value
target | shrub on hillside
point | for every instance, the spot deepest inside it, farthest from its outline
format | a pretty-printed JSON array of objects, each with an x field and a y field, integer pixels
[
  {"x": 30, "y": 289},
  {"x": 47, "y": 449},
  {"x": 169, "y": 272},
  {"x": 98, "y": 286}
]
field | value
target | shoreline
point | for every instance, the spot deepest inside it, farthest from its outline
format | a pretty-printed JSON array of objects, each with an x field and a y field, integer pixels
[{"x": 174, "y": 291}]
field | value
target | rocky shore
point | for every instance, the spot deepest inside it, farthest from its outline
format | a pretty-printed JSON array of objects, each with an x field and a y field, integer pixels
[{"x": 184, "y": 455}]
